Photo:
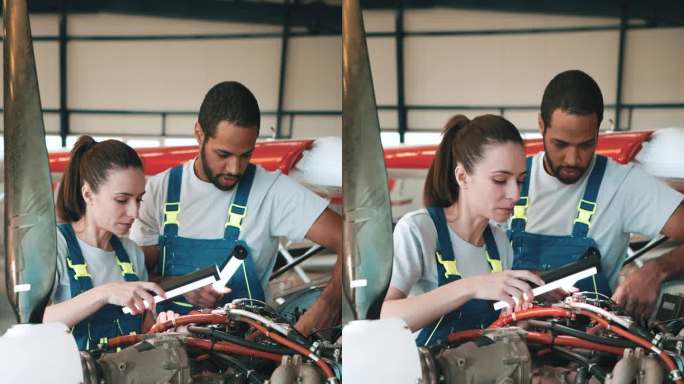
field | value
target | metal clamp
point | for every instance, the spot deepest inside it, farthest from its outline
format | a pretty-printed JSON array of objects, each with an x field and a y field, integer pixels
[{"x": 675, "y": 375}]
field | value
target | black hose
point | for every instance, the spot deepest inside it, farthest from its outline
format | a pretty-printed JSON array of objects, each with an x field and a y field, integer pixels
[
  {"x": 558, "y": 328},
  {"x": 641, "y": 332},
  {"x": 216, "y": 334},
  {"x": 249, "y": 374},
  {"x": 645, "y": 249},
  {"x": 594, "y": 369},
  {"x": 294, "y": 263}
]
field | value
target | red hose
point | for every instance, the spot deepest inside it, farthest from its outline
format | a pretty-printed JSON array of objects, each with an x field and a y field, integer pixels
[
  {"x": 222, "y": 346},
  {"x": 542, "y": 338},
  {"x": 118, "y": 341},
  {"x": 633, "y": 338},
  {"x": 571, "y": 341},
  {"x": 227, "y": 347},
  {"x": 188, "y": 319},
  {"x": 292, "y": 345},
  {"x": 468, "y": 334},
  {"x": 529, "y": 314}
]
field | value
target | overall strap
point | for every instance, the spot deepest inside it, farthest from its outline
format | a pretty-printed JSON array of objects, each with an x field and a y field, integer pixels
[
  {"x": 79, "y": 277},
  {"x": 587, "y": 205},
  {"x": 172, "y": 204},
  {"x": 238, "y": 208},
  {"x": 447, "y": 269},
  {"x": 122, "y": 260},
  {"x": 492, "y": 251},
  {"x": 519, "y": 220}
]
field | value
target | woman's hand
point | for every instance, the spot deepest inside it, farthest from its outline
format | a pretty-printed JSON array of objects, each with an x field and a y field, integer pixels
[
  {"x": 513, "y": 287},
  {"x": 131, "y": 294},
  {"x": 165, "y": 316}
]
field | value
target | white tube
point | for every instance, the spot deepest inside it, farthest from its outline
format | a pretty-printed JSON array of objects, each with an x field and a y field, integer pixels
[
  {"x": 177, "y": 292},
  {"x": 567, "y": 281},
  {"x": 261, "y": 319},
  {"x": 610, "y": 316}
]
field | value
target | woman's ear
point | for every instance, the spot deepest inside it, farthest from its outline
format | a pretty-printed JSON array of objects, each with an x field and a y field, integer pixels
[
  {"x": 461, "y": 177},
  {"x": 87, "y": 193}
]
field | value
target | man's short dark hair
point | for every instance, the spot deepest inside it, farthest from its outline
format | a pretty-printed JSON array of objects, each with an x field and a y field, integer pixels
[
  {"x": 231, "y": 101},
  {"x": 574, "y": 92}
]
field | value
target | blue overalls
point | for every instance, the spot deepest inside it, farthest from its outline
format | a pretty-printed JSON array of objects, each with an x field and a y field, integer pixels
[
  {"x": 543, "y": 252},
  {"x": 473, "y": 314},
  {"x": 182, "y": 255},
  {"x": 109, "y": 320}
]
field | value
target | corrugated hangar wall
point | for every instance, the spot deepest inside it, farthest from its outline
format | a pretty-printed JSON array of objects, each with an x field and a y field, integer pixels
[
  {"x": 133, "y": 65},
  {"x": 499, "y": 63},
  {"x": 494, "y": 62}
]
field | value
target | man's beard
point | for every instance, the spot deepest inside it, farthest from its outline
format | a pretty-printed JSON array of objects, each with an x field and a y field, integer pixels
[
  {"x": 214, "y": 179},
  {"x": 556, "y": 170}
]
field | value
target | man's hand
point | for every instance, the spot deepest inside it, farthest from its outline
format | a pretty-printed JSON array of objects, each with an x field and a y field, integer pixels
[
  {"x": 206, "y": 297},
  {"x": 638, "y": 294},
  {"x": 306, "y": 324},
  {"x": 327, "y": 310},
  {"x": 322, "y": 314}
]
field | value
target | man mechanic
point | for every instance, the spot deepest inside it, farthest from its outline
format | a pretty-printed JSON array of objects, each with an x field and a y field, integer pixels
[
  {"x": 195, "y": 214},
  {"x": 573, "y": 199}
]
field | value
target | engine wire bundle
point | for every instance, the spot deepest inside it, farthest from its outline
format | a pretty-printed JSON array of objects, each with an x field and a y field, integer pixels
[
  {"x": 610, "y": 334},
  {"x": 243, "y": 329}
]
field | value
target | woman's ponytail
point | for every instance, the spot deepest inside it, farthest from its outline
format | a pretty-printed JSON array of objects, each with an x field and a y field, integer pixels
[{"x": 441, "y": 188}]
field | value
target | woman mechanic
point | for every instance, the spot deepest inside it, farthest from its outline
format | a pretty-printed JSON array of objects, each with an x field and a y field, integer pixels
[
  {"x": 450, "y": 262},
  {"x": 99, "y": 270}
]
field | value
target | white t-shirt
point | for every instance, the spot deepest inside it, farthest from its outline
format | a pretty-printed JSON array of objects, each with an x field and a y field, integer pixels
[
  {"x": 277, "y": 207},
  {"x": 629, "y": 201},
  {"x": 415, "y": 242},
  {"x": 101, "y": 265}
]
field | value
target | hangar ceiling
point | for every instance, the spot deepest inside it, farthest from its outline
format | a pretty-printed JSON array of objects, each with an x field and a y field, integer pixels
[{"x": 324, "y": 16}]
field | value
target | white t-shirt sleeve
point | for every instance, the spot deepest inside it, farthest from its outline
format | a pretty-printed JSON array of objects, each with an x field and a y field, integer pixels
[
  {"x": 407, "y": 266},
  {"x": 145, "y": 230},
  {"x": 294, "y": 209},
  {"x": 648, "y": 203}
]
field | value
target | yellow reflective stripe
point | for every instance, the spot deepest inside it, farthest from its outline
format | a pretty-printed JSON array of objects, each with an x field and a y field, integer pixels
[
  {"x": 450, "y": 266},
  {"x": 495, "y": 264},
  {"x": 126, "y": 267},
  {"x": 80, "y": 270},
  {"x": 584, "y": 215},
  {"x": 171, "y": 215},
  {"x": 234, "y": 215},
  {"x": 520, "y": 210}
]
